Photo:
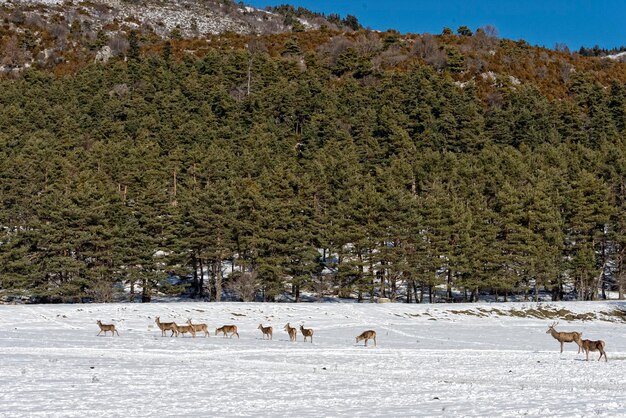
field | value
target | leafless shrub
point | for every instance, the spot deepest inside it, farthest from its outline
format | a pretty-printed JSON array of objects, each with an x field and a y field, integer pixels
[
  {"x": 439, "y": 60},
  {"x": 12, "y": 55},
  {"x": 257, "y": 46},
  {"x": 245, "y": 284},
  {"x": 368, "y": 44},
  {"x": 17, "y": 16},
  {"x": 565, "y": 71},
  {"x": 542, "y": 72},
  {"x": 57, "y": 30},
  {"x": 335, "y": 47},
  {"x": 35, "y": 20},
  {"x": 427, "y": 48},
  {"x": 118, "y": 44},
  {"x": 389, "y": 58},
  {"x": 476, "y": 65}
]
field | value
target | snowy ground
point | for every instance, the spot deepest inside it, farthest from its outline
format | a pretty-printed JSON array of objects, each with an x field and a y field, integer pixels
[{"x": 431, "y": 360}]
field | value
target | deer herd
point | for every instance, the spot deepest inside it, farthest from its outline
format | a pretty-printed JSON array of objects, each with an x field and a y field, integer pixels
[{"x": 191, "y": 328}]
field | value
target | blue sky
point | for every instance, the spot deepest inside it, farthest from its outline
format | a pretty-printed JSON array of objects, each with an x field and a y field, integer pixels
[{"x": 540, "y": 22}]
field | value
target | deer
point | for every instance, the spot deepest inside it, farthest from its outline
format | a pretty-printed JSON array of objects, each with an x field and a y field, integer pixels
[
  {"x": 266, "y": 331},
  {"x": 107, "y": 327},
  {"x": 367, "y": 335},
  {"x": 307, "y": 332},
  {"x": 291, "y": 331},
  {"x": 199, "y": 328},
  {"x": 165, "y": 326},
  {"x": 564, "y": 337},
  {"x": 589, "y": 345},
  {"x": 183, "y": 329},
  {"x": 232, "y": 329}
]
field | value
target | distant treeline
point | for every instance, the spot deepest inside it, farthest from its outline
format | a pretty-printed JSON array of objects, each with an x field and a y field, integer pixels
[{"x": 309, "y": 173}]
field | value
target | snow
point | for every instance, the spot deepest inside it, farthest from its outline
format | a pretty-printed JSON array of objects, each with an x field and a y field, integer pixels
[
  {"x": 431, "y": 360},
  {"x": 620, "y": 56}
]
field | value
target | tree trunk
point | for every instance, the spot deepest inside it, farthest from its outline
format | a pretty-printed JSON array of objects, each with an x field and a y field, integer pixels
[
  {"x": 217, "y": 278},
  {"x": 145, "y": 293},
  {"x": 449, "y": 284},
  {"x": 409, "y": 291},
  {"x": 201, "y": 268},
  {"x": 132, "y": 291},
  {"x": 297, "y": 293},
  {"x": 194, "y": 264}
]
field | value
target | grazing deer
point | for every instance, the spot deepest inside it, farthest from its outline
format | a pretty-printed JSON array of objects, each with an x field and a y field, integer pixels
[
  {"x": 307, "y": 332},
  {"x": 199, "y": 327},
  {"x": 266, "y": 331},
  {"x": 232, "y": 329},
  {"x": 564, "y": 337},
  {"x": 367, "y": 335},
  {"x": 589, "y": 345},
  {"x": 165, "y": 326},
  {"x": 107, "y": 327},
  {"x": 183, "y": 329},
  {"x": 293, "y": 333}
]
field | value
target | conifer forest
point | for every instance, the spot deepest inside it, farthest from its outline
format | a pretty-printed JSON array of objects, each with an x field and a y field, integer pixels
[{"x": 327, "y": 163}]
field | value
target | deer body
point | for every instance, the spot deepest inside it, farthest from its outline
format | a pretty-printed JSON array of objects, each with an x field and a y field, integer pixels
[
  {"x": 589, "y": 345},
  {"x": 183, "y": 329},
  {"x": 165, "y": 326},
  {"x": 226, "y": 329},
  {"x": 307, "y": 332},
  {"x": 564, "y": 337},
  {"x": 367, "y": 335},
  {"x": 107, "y": 327},
  {"x": 266, "y": 331},
  {"x": 293, "y": 333},
  {"x": 199, "y": 327}
]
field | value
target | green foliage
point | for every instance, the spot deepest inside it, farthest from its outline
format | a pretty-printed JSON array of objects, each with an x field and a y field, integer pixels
[{"x": 321, "y": 175}]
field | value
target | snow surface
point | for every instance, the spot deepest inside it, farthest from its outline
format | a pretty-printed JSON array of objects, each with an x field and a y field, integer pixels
[{"x": 431, "y": 360}]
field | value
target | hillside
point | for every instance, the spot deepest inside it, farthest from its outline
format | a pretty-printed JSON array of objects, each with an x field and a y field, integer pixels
[
  {"x": 428, "y": 361},
  {"x": 330, "y": 162}
]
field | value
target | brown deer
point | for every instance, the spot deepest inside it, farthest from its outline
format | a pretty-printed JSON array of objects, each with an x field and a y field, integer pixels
[
  {"x": 367, "y": 335},
  {"x": 199, "y": 327},
  {"x": 293, "y": 333},
  {"x": 266, "y": 331},
  {"x": 232, "y": 329},
  {"x": 564, "y": 337},
  {"x": 184, "y": 329},
  {"x": 307, "y": 332},
  {"x": 589, "y": 345},
  {"x": 107, "y": 327},
  {"x": 165, "y": 326}
]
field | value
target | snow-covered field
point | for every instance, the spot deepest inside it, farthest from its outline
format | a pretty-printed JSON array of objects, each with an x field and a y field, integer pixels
[{"x": 431, "y": 360}]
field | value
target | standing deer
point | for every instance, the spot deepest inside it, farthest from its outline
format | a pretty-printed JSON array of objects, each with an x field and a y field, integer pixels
[
  {"x": 293, "y": 333},
  {"x": 589, "y": 345},
  {"x": 266, "y": 331},
  {"x": 199, "y": 327},
  {"x": 107, "y": 327},
  {"x": 367, "y": 335},
  {"x": 183, "y": 329},
  {"x": 232, "y": 329},
  {"x": 165, "y": 326},
  {"x": 564, "y": 337},
  {"x": 307, "y": 332}
]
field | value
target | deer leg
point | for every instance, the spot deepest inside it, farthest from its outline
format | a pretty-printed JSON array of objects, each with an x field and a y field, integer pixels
[{"x": 561, "y": 346}]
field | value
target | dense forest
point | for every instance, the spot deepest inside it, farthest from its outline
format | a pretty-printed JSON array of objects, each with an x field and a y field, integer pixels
[{"x": 356, "y": 164}]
